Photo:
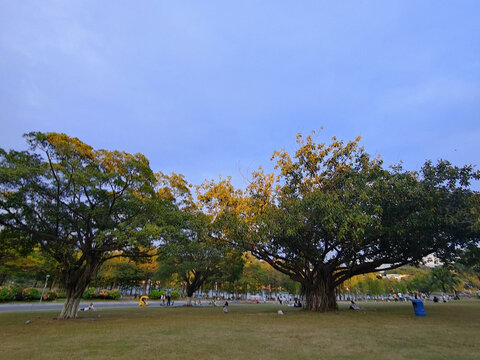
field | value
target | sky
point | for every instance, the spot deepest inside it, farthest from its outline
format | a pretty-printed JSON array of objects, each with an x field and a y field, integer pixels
[{"x": 205, "y": 88}]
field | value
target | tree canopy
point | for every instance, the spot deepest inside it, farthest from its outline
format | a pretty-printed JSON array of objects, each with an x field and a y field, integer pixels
[
  {"x": 79, "y": 205},
  {"x": 332, "y": 212},
  {"x": 192, "y": 250},
  {"x": 328, "y": 213}
]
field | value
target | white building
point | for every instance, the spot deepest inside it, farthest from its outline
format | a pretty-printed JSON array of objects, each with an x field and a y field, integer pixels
[{"x": 431, "y": 261}]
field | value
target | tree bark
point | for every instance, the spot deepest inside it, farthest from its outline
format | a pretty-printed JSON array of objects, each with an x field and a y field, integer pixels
[
  {"x": 190, "y": 290},
  {"x": 320, "y": 295},
  {"x": 70, "y": 307},
  {"x": 192, "y": 286},
  {"x": 75, "y": 283},
  {"x": 53, "y": 283}
]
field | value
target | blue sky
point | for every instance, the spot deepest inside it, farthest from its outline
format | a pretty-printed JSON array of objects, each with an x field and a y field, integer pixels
[{"x": 213, "y": 87}]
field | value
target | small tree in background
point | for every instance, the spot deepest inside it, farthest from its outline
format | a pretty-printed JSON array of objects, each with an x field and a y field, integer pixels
[
  {"x": 192, "y": 250},
  {"x": 443, "y": 279}
]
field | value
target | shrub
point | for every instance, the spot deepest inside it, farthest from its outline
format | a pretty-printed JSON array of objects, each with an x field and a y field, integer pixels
[
  {"x": 7, "y": 293},
  {"x": 102, "y": 294},
  {"x": 90, "y": 293},
  {"x": 50, "y": 296},
  {"x": 31, "y": 294},
  {"x": 156, "y": 294},
  {"x": 19, "y": 295},
  {"x": 62, "y": 295},
  {"x": 113, "y": 294},
  {"x": 175, "y": 295}
]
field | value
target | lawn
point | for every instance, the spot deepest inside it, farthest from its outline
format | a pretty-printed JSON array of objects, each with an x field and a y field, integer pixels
[{"x": 380, "y": 331}]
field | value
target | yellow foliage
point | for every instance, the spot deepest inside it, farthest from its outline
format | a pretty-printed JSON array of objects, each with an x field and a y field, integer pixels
[{"x": 65, "y": 144}]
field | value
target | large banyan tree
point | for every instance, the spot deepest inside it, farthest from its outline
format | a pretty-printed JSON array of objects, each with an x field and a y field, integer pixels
[
  {"x": 332, "y": 212},
  {"x": 81, "y": 206}
]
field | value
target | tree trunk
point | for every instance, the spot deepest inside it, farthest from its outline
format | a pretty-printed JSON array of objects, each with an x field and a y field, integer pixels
[
  {"x": 192, "y": 285},
  {"x": 75, "y": 283},
  {"x": 320, "y": 296},
  {"x": 70, "y": 307},
  {"x": 52, "y": 285},
  {"x": 190, "y": 290},
  {"x": 2, "y": 278}
]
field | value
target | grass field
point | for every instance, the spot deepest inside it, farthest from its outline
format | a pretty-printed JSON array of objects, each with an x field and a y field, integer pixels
[{"x": 381, "y": 331}]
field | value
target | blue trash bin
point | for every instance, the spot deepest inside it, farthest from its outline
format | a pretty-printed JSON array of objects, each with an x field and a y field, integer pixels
[{"x": 418, "y": 308}]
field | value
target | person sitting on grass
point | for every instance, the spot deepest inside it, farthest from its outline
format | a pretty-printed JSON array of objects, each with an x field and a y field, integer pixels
[
  {"x": 354, "y": 306},
  {"x": 88, "y": 308}
]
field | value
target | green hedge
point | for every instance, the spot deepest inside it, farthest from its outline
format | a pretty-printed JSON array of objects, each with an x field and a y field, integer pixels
[
  {"x": 102, "y": 294},
  {"x": 7, "y": 293},
  {"x": 90, "y": 293},
  {"x": 31, "y": 294},
  {"x": 156, "y": 294},
  {"x": 50, "y": 296}
]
